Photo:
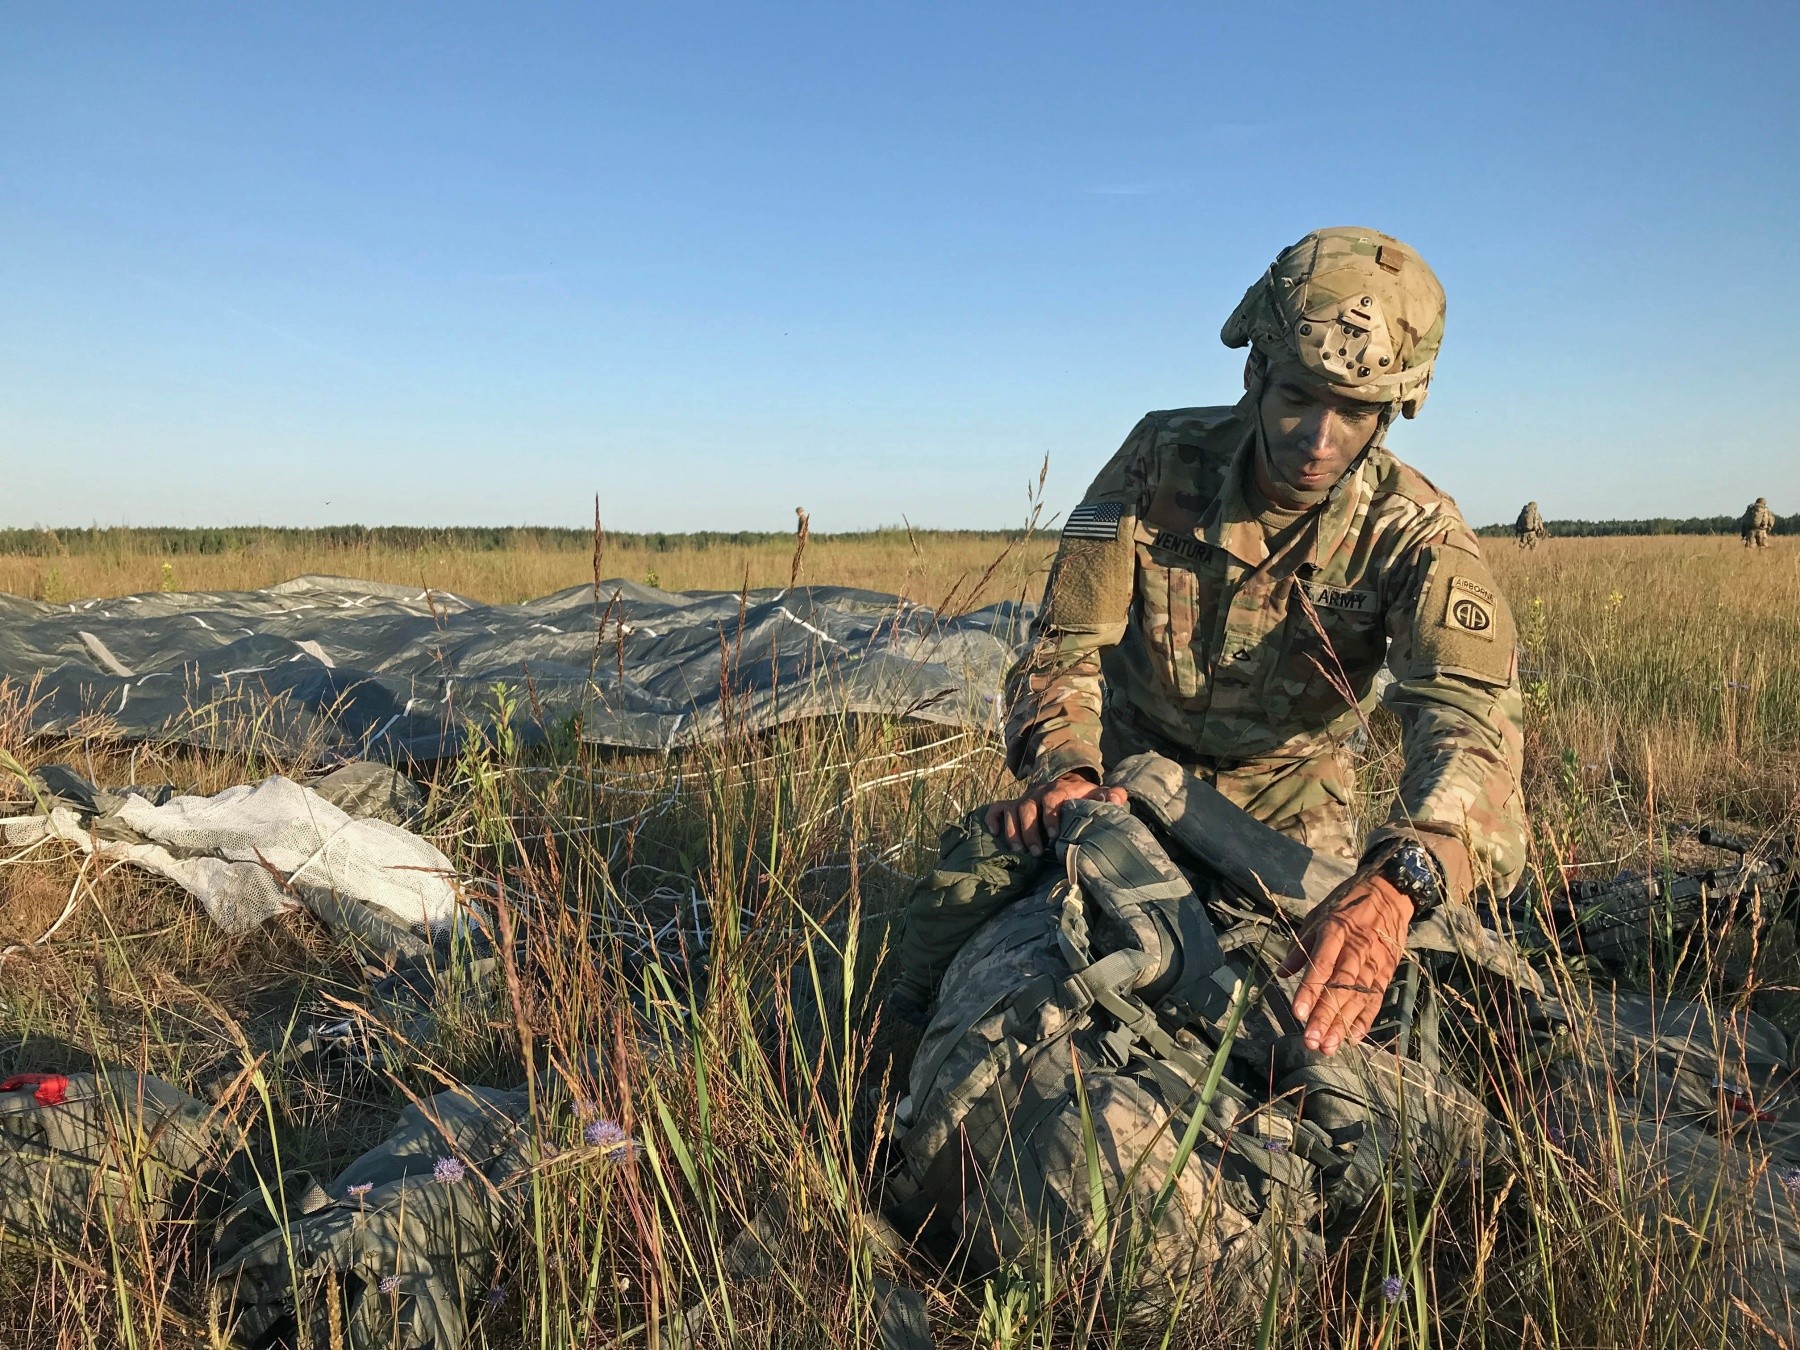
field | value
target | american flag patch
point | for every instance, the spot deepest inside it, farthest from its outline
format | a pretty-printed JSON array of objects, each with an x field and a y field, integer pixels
[{"x": 1096, "y": 520}]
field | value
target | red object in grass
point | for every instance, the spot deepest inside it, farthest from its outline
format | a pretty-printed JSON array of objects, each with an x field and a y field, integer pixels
[
  {"x": 1739, "y": 1099},
  {"x": 52, "y": 1088},
  {"x": 1745, "y": 1107}
]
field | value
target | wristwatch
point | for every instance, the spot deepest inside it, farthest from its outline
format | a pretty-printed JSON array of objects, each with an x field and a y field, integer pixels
[{"x": 1410, "y": 869}]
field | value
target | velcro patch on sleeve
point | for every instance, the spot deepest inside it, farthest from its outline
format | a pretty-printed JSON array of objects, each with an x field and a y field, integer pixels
[
  {"x": 1094, "y": 520},
  {"x": 1461, "y": 625},
  {"x": 1183, "y": 545},
  {"x": 1092, "y": 581}
]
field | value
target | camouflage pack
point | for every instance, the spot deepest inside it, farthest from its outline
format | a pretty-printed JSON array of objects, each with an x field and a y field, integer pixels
[
  {"x": 1670, "y": 1059},
  {"x": 1050, "y": 1105},
  {"x": 1098, "y": 1088}
]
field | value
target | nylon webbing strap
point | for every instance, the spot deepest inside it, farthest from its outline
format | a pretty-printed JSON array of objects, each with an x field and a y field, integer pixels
[
  {"x": 1071, "y": 919},
  {"x": 1205, "y": 975},
  {"x": 1040, "y": 1095},
  {"x": 1254, "y": 859},
  {"x": 1183, "y": 1095},
  {"x": 1133, "y": 1014},
  {"x": 1109, "y": 975}
]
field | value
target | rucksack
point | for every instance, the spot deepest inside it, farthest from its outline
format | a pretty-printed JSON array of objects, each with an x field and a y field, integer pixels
[
  {"x": 1096, "y": 1086},
  {"x": 1677, "y": 1060}
]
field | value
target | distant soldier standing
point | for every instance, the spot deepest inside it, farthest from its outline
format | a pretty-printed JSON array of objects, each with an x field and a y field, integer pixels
[
  {"x": 1529, "y": 528},
  {"x": 1235, "y": 579},
  {"x": 1758, "y": 521}
]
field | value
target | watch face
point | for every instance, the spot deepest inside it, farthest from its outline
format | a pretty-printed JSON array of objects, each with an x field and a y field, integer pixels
[{"x": 1413, "y": 873}]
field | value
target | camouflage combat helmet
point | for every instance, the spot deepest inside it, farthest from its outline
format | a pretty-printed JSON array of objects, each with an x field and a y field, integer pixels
[{"x": 1357, "y": 309}]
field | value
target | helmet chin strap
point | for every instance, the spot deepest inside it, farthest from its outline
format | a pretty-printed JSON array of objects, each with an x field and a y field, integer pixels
[{"x": 1297, "y": 499}]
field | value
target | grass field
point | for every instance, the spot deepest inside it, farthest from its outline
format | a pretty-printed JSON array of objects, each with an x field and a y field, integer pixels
[
  {"x": 923, "y": 566},
  {"x": 1663, "y": 682}
]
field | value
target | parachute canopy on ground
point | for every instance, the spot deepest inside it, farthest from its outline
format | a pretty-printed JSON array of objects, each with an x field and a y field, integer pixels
[{"x": 366, "y": 669}]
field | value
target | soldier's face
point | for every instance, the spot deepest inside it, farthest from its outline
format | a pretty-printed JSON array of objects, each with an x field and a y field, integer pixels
[{"x": 1313, "y": 434}]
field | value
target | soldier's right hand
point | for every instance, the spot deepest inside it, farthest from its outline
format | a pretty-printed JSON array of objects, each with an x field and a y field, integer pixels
[{"x": 1026, "y": 824}]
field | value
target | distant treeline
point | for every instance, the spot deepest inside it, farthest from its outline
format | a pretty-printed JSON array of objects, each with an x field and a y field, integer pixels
[
  {"x": 1660, "y": 525},
  {"x": 160, "y": 541}
]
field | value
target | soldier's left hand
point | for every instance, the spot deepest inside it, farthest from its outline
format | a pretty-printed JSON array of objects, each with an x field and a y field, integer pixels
[{"x": 1348, "y": 949}]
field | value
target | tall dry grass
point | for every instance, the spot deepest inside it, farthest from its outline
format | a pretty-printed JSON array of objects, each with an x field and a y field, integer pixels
[
  {"x": 923, "y": 566},
  {"x": 1666, "y": 668},
  {"x": 1662, "y": 677}
]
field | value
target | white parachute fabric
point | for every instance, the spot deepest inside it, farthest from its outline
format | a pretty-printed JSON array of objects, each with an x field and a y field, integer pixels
[
  {"x": 337, "y": 668},
  {"x": 252, "y": 852}
]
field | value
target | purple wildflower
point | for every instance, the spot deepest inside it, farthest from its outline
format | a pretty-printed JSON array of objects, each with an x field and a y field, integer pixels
[
  {"x": 1790, "y": 1177},
  {"x": 497, "y": 1295},
  {"x": 604, "y": 1134},
  {"x": 1392, "y": 1288},
  {"x": 390, "y": 1284},
  {"x": 1554, "y": 1133},
  {"x": 447, "y": 1170},
  {"x": 1275, "y": 1146},
  {"x": 362, "y": 1188}
]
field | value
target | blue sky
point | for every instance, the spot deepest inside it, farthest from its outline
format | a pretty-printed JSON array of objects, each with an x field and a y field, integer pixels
[{"x": 445, "y": 264}]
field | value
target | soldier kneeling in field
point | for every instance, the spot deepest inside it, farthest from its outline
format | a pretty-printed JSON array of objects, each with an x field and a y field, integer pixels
[{"x": 1095, "y": 1073}]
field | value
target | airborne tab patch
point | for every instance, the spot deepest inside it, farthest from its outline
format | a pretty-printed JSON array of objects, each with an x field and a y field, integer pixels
[
  {"x": 1339, "y": 597},
  {"x": 1470, "y": 608},
  {"x": 1095, "y": 520}
]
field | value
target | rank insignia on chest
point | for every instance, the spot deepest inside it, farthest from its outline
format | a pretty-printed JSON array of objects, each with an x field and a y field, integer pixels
[
  {"x": 1338, "y": 597},
  {"x": 1095, "y": 520}
]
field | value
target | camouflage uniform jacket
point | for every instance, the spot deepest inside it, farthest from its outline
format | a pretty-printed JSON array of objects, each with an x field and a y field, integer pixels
[
  {"x": 1167, "y": 611},
  {"x": 1757, "y": 518}
]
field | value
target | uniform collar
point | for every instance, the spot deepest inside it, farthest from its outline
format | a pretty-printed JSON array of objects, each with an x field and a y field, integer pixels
[{"x": 1230, "y": 523}]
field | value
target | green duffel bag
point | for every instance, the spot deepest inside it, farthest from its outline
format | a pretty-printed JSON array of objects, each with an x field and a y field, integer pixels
[
  {"x": 90, "y": 1154},
  {"x": 398, "y": 1250}
]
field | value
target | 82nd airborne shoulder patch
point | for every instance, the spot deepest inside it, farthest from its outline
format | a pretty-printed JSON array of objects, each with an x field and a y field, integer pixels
[
  {"x": 1470, "y": 608},
  {"x": 1095, "y": 520}
]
